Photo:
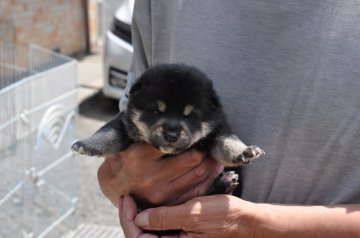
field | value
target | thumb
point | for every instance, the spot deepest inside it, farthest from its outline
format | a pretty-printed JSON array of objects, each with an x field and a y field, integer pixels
[{"x": 162, "y": 218}]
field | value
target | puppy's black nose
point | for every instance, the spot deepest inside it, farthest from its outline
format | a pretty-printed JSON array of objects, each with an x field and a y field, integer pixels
[
  {"x": 171, "y": 132},
  {"x": 171, "y": 136}
]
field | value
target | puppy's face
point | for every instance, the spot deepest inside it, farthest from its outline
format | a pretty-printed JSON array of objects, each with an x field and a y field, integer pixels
[{"x": 173, "y": 107}]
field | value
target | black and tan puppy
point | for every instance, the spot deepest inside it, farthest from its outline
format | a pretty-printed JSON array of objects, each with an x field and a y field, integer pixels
[{"x": 174, "y": 108}]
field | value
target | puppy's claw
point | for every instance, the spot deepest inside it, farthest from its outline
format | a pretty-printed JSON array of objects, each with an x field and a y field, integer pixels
[
  {"x": 231, "y": 181},
  {"x": 77, "y": 148},
  {"x": 225, "y": 183},
  {"x": 80, "y": 148},
  {"x": 250, "y": 154}
]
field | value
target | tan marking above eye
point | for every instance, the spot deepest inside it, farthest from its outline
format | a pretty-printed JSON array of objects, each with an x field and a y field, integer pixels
[
  {"x": 188, "y": 109},
  {"x": 161, "y": 105}
]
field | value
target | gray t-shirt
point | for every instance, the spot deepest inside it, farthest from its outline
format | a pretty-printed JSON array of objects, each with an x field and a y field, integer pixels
[{"x": 288, "y": 75}]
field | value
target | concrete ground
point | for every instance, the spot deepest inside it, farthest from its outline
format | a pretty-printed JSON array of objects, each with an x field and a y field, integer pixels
[{"x": 94, "y": 110}]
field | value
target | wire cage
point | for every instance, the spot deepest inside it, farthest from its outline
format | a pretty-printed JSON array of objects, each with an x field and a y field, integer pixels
[{"x": 38, "y": 99}]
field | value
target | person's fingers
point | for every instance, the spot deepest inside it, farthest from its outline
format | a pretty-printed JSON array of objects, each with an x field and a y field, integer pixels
[
  {"x": 142, "y": 150},
  {"x": 171, "y": 236},
  {"x": 193, "y": 183},
  {"x": 164, "y": 218},
  {"x": 129, "y": 209},
  {"x": 127, "y": 213},
  {"x": 126, "y": 173},
  {"x": 136, "y": 156},
  {"x": 168, "y": 169},
  {"x": 177, "y": 166},
  {"x": 184, "y": 235},
  {"x": 201, "y": 177},
  {"x": 185, "y": 160},
  {"x": 198, "y": 173},
  {"x": 171, "y": 167}
]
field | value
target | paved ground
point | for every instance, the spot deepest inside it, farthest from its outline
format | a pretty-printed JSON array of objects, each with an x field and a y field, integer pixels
[{"x": 94, "y": 110}]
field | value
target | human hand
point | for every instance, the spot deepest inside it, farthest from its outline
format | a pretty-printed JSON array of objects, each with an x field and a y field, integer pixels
[
  {"x": 127, "y": 212},
  {"x": 227, "y": 216},
  {"x": 150, "y": 179},
  {"x": 203, "y": 217}
]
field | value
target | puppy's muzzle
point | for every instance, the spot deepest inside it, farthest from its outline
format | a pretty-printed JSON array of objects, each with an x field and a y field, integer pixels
[
  {"x": 170, "y": 137},
  {"x": 171, "y": 133}
]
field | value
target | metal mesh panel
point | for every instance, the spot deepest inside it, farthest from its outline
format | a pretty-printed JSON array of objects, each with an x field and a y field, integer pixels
[{"x": 38, "y": 98}]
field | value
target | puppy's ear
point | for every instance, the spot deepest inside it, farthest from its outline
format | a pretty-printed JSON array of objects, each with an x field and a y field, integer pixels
[
  {"x": 215, "y": 102},
  {"x": 135, "y": 88}
]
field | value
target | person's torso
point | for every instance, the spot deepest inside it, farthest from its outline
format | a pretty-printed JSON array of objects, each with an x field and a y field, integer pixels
[{"x": 288, "y": 75}]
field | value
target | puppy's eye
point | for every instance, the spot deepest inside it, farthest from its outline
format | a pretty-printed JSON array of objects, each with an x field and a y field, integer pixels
[
  {"x": 188, "y": 109},
  {"x": 161, "y": 106}
]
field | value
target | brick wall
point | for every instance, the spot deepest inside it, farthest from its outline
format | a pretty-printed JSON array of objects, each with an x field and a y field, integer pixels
[
  {"x": 93, "y": 21},
  {"x": 48, "y": 23}
]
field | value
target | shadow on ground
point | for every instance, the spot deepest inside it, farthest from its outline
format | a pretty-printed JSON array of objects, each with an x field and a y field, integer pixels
[{"x": 99, "y": 107}]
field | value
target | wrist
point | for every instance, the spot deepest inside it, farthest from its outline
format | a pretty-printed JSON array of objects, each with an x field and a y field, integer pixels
[
  {"x": 273, "y": 221},
  {"x": 253, "y": 219},
  {"x": 277, "y": 221}
]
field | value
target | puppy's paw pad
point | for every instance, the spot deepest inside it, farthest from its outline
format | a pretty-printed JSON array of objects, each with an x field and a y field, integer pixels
[
  {"x": 76, "y": 147},
  {"x": 83, "y": 149},
  {"x": 253, "y": 152},
  {"x": 250, "y": 154},
  {"x": 230, "y": 180}
]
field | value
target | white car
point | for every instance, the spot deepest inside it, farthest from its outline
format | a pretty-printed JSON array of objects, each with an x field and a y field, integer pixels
[{"x": 118, "y": 51}]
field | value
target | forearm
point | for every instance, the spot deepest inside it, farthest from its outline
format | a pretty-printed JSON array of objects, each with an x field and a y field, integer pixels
[{"x": 309, "y": 221}]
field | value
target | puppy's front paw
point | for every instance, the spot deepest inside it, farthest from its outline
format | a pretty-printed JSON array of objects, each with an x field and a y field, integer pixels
[
  {"x": 250, "y": 154},
  {"x": 230, "y": 180},
  {"x": 83, "y": 148},
  {"x": 232, "y": 152},
  {"x": 225, "y": 183}
]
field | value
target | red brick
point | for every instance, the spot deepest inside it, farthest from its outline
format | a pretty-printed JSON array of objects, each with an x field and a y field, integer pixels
[{"x": 55, "y": 23}]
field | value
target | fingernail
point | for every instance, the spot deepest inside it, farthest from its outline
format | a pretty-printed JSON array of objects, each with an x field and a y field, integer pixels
[{"x": 142, "y": 219}]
